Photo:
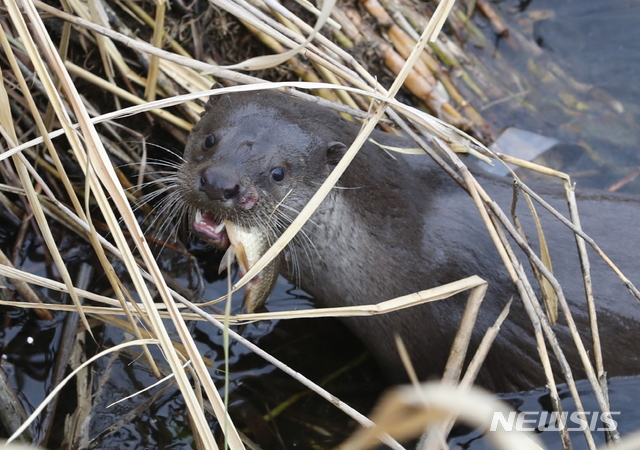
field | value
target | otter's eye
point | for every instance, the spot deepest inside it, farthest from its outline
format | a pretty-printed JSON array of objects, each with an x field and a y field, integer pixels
[
  {"x": 209, "y": 141},
  {"x": 277, "y": 174}
]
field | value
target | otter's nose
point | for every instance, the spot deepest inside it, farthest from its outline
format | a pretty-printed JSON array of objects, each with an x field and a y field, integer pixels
[{"x": 219, "y": 185}]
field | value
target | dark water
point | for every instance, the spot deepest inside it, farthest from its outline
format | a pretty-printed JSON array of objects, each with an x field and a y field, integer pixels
[
  {"x": 569, "y": 70},
  {"x": 595, "y": 41},
  {"x": 322, "y": 350}
]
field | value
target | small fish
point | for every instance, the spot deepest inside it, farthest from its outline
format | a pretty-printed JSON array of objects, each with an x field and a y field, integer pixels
[{"x": 248, "y": 245}]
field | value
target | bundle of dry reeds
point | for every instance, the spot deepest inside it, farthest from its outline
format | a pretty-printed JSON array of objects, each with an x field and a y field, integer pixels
[{"x": 74, "y": 71}]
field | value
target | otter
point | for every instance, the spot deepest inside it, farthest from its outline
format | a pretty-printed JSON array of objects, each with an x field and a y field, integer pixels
[{"x": 397, "y": 224}]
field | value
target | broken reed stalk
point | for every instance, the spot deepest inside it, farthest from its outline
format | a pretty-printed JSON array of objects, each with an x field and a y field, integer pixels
[{"x": 438, "y": 433}]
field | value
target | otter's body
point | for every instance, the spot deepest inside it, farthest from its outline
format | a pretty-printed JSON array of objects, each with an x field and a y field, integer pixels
[{"x": 398, "y": 224}]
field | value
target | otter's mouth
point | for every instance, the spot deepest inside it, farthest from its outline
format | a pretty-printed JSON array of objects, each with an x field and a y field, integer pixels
[
  {"x": 210, "y": 229},
  {"x": 244, "y": 245}
]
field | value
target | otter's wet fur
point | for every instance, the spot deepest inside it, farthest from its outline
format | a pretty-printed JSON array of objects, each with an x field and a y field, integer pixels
[{"x": 397, "y": 224}]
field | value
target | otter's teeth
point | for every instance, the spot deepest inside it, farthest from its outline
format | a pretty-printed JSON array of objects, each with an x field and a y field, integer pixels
[
  {"x": 219, "y": 228},
  {"x": 200, "y": 218}
]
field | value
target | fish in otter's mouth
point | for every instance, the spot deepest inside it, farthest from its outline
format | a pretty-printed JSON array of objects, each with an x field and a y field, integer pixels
[{"x": 246, "y": 246}]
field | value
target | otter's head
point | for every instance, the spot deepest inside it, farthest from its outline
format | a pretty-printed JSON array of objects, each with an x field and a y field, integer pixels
[{"x": 255, "y": 159}]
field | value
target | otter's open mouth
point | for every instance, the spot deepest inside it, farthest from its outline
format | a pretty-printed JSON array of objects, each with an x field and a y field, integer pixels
[
  {"x": 246, "y": 246},
  {"x": 211, "y": 230}
]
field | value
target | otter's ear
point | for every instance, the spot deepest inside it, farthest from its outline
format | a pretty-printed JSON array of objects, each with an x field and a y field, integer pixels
[
  {"x": 335, "y": 152},
  {"x": 212, "y": 99}
]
